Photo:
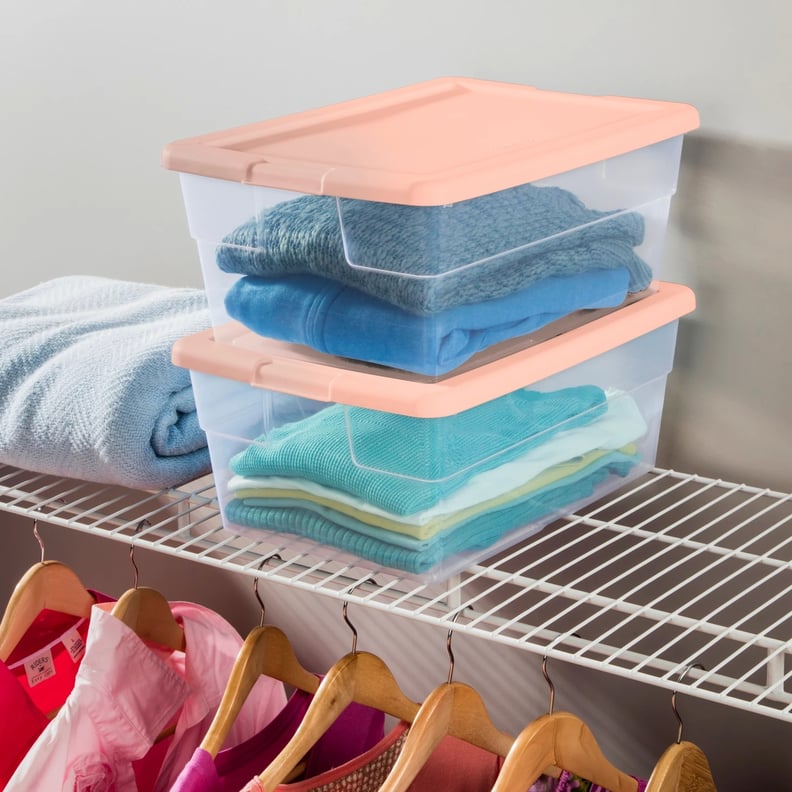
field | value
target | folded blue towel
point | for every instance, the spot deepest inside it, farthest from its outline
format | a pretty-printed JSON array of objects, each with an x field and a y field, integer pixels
[
  {"x": 87, "y": 389},
  {"x": 340, "y": 320},
  {"x": 480, "y": 532},
  {"x": 405, "y": 464},
  {"x": 397, "y": 249}
]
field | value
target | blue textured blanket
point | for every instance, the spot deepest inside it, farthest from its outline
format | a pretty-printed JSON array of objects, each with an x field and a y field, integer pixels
[
  {"x": 339, "y": 320},
  {"x": 405, "y": 464},
  {"x": 419, "y": 258},
  {"x": 87, "y": 389},
  {"x": 481, "y": 532}
]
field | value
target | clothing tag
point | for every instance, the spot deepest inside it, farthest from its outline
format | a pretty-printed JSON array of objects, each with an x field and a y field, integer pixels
[
  {"x": 74, "y": 643},
  {"x": 39, "y": 668}
]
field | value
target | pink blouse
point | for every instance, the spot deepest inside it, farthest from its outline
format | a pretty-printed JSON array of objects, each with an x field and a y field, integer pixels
[{"x": 126, "y": 693}]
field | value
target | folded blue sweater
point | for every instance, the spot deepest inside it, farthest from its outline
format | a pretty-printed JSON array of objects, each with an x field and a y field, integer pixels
[
  {"x": 405, "y": 464},
  {"x": 480, "y": 532},
  {"x": 339, "y": 320},
  {"x": 87, "y": 388},
  {"x": 418, "y": 257}
]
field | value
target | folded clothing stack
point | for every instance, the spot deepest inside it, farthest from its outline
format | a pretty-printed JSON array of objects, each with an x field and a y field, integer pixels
[
  {"x": 381, "y": 490},
  {"x": 494, "y": 267},
  {"x": 87, "y": 389}
]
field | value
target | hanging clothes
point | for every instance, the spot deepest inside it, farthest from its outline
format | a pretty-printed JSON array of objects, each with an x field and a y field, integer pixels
[
  {"x": 355, "y": 731},
  {"x": 36, "y": 680},
  {"x": 454, "y": 765},
  {"x": 127, "y": 693}
]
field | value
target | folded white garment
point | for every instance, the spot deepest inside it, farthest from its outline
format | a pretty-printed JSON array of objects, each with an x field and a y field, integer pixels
[{"x": 621, "y": 424}]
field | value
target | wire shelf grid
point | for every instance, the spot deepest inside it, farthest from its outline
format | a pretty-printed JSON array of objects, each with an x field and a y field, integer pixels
[{"x": 676, "y": 574}]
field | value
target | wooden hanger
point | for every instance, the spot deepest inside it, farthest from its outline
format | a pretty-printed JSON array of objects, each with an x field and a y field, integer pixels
[
  {"x": 47, "y": 585},
  {"x": 359, "y": 677},
  {"x": 452, "y": 709},
  {"x": 683, "y": 767},
  {"x": 265, "y": 652},
  {"x": 560, "y": 739},
  {"x": 145, "y": 611}
]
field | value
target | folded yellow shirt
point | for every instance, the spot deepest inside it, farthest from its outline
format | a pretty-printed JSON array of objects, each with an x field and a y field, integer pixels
[{"x": 440, "y": 523}]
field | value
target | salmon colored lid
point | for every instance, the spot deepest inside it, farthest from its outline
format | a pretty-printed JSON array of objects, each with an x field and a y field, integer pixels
[
  {"x": 432, "y": 143},
  {"x": 288, "y": 368}
]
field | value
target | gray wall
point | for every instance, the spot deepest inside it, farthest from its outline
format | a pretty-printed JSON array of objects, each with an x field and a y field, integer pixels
[{"x": 91, "y": 91}]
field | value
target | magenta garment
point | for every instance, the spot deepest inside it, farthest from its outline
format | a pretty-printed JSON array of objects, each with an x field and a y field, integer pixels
[
  {"x": 454, "y": 765},
  {"x": 354, "y": 732},
  {"x": 127, "y": 692},
  {"x": 36, "y": 680}
]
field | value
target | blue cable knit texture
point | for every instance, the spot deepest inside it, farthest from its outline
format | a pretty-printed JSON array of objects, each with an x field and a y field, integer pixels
[
  {"x": 87, "y": 389},
  {"x": 405, "y": 464},
  {"x": 339, "y": 320},
  {"x": 399, "y": 242},
  {"x": 480, "y": 532}
]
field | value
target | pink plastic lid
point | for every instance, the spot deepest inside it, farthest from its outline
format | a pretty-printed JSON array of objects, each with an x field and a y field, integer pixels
[
  {"x": 432, "y": 143},
  {"x": 288, "y": 368}
]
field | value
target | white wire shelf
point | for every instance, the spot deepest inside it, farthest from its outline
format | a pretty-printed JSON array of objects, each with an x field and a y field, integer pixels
[{"x": 672, "y": 571}]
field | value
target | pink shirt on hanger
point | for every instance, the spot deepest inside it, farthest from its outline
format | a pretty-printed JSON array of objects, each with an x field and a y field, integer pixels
[
  {"x": 126, "y": 693},
  {"x": 36, "y": 679}
]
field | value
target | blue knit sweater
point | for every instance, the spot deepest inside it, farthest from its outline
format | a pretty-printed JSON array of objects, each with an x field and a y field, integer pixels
[{"x": 419, "y": 258}]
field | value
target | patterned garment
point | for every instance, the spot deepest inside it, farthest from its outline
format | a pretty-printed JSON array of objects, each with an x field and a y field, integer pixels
[{"x": 569, "y": 782}]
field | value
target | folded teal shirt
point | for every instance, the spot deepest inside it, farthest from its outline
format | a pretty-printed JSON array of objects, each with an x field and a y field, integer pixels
[
  {"x": 405, "y": 464},
  {"x": 378, "y": 546},
  {"x": 340, "y": 320},
  {"x": 483, "y": 248}
]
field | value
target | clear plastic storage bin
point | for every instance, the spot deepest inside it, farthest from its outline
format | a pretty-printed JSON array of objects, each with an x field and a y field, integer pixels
[
  {"x": 425, "y": 478},
  {"x": 420, "y": 226}
]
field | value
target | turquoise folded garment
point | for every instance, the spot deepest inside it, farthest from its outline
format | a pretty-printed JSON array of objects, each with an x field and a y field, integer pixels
[
  {"x": 87, "y": 387},
  {"x": 480, "y": 532},
  {"x": 405, "y": 464},
  {"x": 328, "y": 316},
  {"x": 426, "y": 259}
]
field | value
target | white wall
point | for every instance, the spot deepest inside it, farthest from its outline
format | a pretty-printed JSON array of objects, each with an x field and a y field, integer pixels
[{"x": 92, "y": 90}]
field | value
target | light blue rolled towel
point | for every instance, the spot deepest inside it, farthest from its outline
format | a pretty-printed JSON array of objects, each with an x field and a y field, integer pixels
[{"x": 87, "y": 389}]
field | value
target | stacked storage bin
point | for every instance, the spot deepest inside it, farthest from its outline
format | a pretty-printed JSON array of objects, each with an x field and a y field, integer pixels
[{"x": 437, "y": 315}]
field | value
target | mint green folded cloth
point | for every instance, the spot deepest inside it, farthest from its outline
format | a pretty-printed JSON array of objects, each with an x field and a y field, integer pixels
[
  {"x": 405, "y": 464},
  {"x": 381, "y": 547}
]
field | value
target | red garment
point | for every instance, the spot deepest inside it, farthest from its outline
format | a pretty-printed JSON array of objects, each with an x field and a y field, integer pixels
[{"x": 36, "y": 680}]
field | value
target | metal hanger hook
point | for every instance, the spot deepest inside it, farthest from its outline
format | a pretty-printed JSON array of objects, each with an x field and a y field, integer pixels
[
  {"x": 135, "y": 570},
  {"x": 549, "y": 684},
  {"x": 674, "y": 695},
  {"x": 38, "y": 538},
  {"x": 256, "y": 582},
  {"x": 448, "y": 644},
  {"x": 345, "y": 607}
]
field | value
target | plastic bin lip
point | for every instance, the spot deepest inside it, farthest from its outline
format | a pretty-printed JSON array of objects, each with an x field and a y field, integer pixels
[
  {"x": 287, "y": 368},
  {"x": 432, "y": 143}
]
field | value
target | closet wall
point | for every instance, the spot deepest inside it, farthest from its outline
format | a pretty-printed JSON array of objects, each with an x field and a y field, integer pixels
[{"x": 91, "y": 91}]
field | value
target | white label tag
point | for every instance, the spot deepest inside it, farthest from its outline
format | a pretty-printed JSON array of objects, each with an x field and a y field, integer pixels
[
  {"x": 39, "y": 668},
  {"x": 74, "y": 643}
]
